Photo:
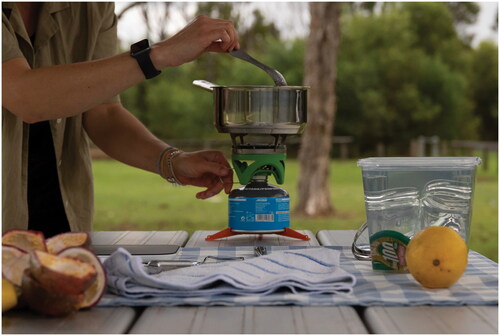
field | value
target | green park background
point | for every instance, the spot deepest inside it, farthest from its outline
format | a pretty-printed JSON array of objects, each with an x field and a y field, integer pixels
[{"x": 404, "y": 70}]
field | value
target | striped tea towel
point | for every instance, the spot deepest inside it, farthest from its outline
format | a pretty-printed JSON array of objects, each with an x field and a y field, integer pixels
[
  {"x": 307, "y": 271},
  {"x": 478, "y": 285}
]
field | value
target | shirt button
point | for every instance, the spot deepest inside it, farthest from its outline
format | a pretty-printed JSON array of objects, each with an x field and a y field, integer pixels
[
  {"x": 66, "y": 204},
  {"x": 59, "y": 163},
  {"x": 59, "y": 120}
]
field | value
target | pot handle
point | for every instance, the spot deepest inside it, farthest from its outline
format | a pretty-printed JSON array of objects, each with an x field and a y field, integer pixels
[
  {"x": 206, "y": 85},
  {"x": 359, "y": 253}
]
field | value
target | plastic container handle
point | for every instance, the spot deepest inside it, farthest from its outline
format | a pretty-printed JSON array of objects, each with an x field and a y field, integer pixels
[{"x": 359, "y": 253}]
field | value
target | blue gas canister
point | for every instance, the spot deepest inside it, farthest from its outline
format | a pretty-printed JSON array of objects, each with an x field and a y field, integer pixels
[{"x": 259, "y": 207}]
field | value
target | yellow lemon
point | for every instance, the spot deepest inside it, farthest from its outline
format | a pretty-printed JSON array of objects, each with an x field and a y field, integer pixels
[
  {"x": 9, "y": 296},
  {"x": 437, "y": 257}
]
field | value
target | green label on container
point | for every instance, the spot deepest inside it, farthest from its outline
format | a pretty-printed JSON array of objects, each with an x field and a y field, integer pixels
[{"x": 388, "y": 249}]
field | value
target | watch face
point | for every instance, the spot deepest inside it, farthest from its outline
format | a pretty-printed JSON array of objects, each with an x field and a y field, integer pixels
[{"x": 139, "y": 46}]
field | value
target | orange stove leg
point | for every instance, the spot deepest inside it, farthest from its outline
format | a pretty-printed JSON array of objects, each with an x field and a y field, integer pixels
[
  {"x": 294, "y": 234},
  {"x": 221, "y": 234}
]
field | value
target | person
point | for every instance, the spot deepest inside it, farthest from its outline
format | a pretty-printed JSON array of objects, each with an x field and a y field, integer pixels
[{"x": 61, "y": 79}]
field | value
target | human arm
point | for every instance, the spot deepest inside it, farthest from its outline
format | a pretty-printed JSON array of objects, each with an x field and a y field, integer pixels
[
  {"x": 70, "y": 89},
  {"x": 120, "y": 135}
]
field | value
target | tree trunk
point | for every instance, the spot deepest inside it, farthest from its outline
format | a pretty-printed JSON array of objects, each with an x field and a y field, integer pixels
[{"x": 320, "y": 75}]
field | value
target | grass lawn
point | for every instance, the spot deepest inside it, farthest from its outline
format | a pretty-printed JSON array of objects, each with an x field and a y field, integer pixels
[{"x": 129, "y": 199}]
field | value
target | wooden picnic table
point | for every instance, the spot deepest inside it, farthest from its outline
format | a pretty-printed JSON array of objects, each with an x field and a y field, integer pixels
[{"x": 252, "y": 319}]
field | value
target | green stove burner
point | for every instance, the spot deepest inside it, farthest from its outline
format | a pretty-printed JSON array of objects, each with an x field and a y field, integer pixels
[{"x": 250, "y": 165}]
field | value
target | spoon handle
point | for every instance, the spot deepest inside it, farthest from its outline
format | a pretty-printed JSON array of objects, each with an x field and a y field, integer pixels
[{"x": 277, "y": 77}]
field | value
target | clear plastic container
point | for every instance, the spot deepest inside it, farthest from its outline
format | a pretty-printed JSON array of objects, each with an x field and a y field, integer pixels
[
  {"x": 407, "y": 194},
  {"x": 445, "y": 188}
]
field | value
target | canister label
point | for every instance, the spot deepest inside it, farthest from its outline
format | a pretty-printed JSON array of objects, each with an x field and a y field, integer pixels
[
  {"x": 388, "y": 250},
  {"x": 259, "y": 213}
]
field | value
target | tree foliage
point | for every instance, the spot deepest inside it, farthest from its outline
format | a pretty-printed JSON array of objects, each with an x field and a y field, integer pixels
[
  {"x": 484, "y": 89},
  {"x": 403, "y": 73}
]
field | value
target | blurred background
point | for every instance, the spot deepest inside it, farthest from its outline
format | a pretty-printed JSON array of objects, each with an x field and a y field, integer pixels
[{"x": 410, "y": 79}]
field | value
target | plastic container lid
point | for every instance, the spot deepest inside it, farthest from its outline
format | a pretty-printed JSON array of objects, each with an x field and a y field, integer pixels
[{"x": 440, "y": 162}]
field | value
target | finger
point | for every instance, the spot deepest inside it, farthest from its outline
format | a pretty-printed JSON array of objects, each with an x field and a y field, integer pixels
[
  {"x": 229, "y": 27},
  {"x": 203, "y": 195},
  {"x": 215, "y": 188},
  {"x": 218, "y": 156},
  {"x": 227, "y": 182},
  {"x": 234, "y": 40},
  {"x": 212, "y": 190},
  {"x": 226, "y": 39},
  {"x": 215, "y": 47},
  {"x": 216, "y": 169},
  {"x": 219, "y": 34},
  {"x": 223, "y": 30},
  {"x": 233, "y": 35},
  {"x": 234, "y": 46}
]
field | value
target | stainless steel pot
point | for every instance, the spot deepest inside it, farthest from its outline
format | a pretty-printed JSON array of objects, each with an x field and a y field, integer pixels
[{"x": 258, "y": 109}]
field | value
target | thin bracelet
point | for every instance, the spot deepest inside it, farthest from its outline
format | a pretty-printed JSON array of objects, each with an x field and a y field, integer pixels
[
  {"x": 172, "y": 178},
  {"x": 160, "y": 159},
  {"x": 164, "y": 169}
]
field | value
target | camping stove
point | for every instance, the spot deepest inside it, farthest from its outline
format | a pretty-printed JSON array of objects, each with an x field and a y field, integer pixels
[
  {"x": 259, "y": 207},
  {"x": 258, "y": 118}
]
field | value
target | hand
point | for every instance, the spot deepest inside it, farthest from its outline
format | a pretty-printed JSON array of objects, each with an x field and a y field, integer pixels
[
  {"x": 201, "y": 35},
  {"x": 208, "y": 169}
]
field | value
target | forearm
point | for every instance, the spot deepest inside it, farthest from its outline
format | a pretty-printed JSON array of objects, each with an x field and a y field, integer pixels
[
  {"x": 65, "y": 90},
  {"x": 120, "y": 135},
  {"x": 124, "y": 138}
]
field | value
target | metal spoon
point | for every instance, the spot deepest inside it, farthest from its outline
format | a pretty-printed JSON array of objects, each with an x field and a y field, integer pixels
[
  {"x": 277, "y": 77},
  {"x": 158, "y": 266}
]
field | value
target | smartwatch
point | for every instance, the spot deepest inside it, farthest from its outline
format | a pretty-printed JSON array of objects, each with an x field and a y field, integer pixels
[{"x": 140, "y": 51}]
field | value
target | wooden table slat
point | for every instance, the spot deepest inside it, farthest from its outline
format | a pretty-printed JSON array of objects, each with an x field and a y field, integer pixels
[
  {"x": 96, "y": 320},
  {"x": 433, "y": 320},
  {"x": 249, "y": 320},
  {"x": 341, "y": 238},
  {"x": 106, "y": 237},
  {"x": 336, "y": 237},
  {"x": 169, "y": 238},
  {"x": 139, "y": 237},
  {"x": 135, "y": 238}
]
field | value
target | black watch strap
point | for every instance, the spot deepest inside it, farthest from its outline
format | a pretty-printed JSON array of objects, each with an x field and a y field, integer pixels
[{"x": 140, "y": 51}]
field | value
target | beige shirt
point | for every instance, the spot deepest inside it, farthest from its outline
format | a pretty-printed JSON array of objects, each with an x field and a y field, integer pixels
[{"x": 67, "y": 32}]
